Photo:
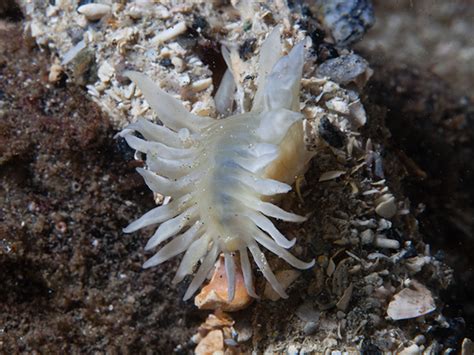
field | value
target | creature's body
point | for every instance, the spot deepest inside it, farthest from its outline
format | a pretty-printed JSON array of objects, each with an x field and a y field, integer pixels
[{"x": 221, "y": 174}]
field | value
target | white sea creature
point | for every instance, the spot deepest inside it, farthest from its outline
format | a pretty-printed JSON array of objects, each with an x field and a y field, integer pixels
[{"x": 222, "y": 174}]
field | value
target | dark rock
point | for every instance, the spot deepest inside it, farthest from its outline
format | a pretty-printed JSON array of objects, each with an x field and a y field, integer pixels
[
  {"x": 330, "y": 134},
  {"x": 348, "y": 20},
  {"x": 344, "y": 69},
  {"x": 247, "y": 48}
]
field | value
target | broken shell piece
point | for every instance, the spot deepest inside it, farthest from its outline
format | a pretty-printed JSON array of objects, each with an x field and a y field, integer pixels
[
  {"x": 94, "y": 12},
  {"x": 285, "y": 278},
  {"x": 343, "y": 302},
  {"x": 218, "y": 320},
  {"x": 467, "y": 347},
  {"x": 411, "y": 302},
  {"x": 331, "y": 175},
  {"x": 55, "y": 73},
  {"x": 339, "y": 105},
  {"x": 416, "y": 263},
  {"x": 105, "y": 72},
  {"x": 410, "y": 350},
  {"x": 386, "y": 206},
  {"x": 201, "y": 85},
  {"x": 212, "y": 343},
  {"x": 214, "y": 295},
  {"x": 357, "y": 112},
  {"x": 367, "y": 236},
  {"x": 387, "y": 243},
  {"x": 170, "y": 33}
]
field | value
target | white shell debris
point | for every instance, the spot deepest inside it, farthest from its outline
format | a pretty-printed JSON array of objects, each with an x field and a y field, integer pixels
[
  {"x": 55, "y": 73},
  {"x": 411, "y": 302},
  {"x": 357, "y": 112},
  {"x": 339, "y": 105},
  {"x": 386, "y": 243},
  {"x": 411, "y": 350},
  {"x": 170, "y": 33},
  {"x": 94, "y": 12},
  {"x": 331, "y": 175},
  {"x": 367, "y": 236},
  {"x": 201, "y": 85},
  {"x": 386, "y": 206},
  {"x": 105, "y": 72}
]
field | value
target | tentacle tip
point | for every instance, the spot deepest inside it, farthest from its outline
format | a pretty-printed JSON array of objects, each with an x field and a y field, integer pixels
[
  {"x": 123, "y": 133},
  {"x": 310, "y": 264},
  {"x": 253, "y": 295},
  {"x": 127, "y": 230},
  {"x": 301, "y": 219},
  {"x": 147, "y": 264},
  {"x": 149, "y": 246},
  {"x": 131, "y": 74}
]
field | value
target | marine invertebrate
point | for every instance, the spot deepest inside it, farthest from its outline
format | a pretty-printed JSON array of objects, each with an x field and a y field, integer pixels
[{"x": 222, "y": 174}]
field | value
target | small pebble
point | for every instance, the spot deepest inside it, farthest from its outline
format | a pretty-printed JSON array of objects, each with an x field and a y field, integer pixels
[
  {"x": 411, "y": 350},
  {"x": 105, "y": 72},
  {"x": 348, "y": 20},
  {"x": 94, "y": 12},
  {"x": 420, "y": 339},
  {"x": 310, "y": 328},
  {"x": 386, "y": 243},
  {"x": 307, "y": 313},
  {"x": 386, "y": 208},
  {"x": 55, "y": 73},
  {"x": 367, "y": 236},
  {"x": 345, "y": 69},
  {"x": 333, "y": 136}
]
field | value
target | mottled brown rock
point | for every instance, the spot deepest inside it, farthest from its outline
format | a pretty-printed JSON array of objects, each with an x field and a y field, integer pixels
[{"x": 70, "y": 280}]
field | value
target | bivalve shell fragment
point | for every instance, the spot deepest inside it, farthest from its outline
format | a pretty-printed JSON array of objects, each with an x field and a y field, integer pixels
[{"x": 411, "y": 302}]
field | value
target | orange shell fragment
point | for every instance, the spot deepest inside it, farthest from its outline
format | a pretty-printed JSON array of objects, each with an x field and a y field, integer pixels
[{"x": 214, "y": 295}]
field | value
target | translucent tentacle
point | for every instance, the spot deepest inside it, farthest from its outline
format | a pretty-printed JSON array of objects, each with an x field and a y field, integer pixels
[
  {"x": 177, "y": 246},
  {"x": 170, "y": 111},
  {"x": 202, "y": 272},
  {"x": 230, "y": 272},
  {"x": 195, "y": 252},
  {"x": 247, "y": 272},
  {"x": 172, "y": 227},
  {"x": 267, "y": 272},
  {"x": 282, "y": 253},
  {"x": 159, "y": 214},
  {"x": 265, "y": 224}
]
